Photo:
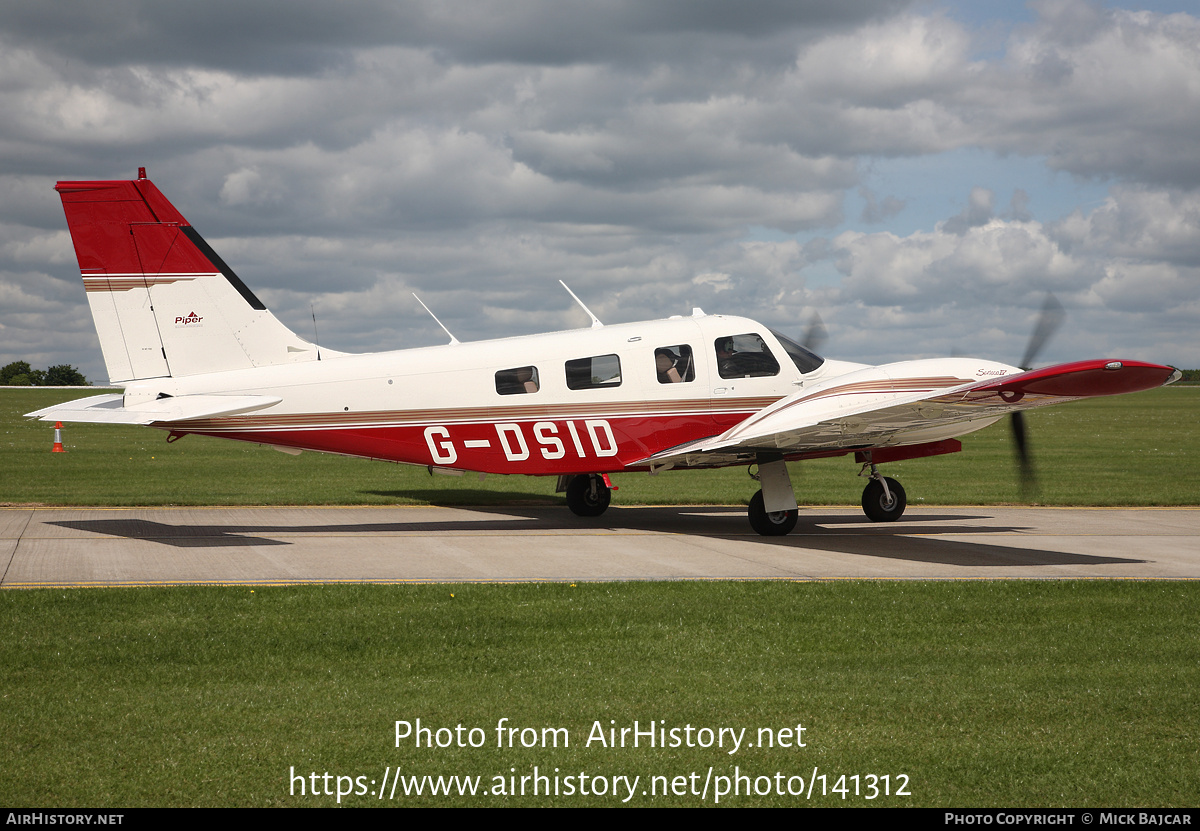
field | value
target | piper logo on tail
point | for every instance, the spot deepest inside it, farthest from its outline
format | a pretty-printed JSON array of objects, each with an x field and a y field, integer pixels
[{"x": 191, "y": 319}]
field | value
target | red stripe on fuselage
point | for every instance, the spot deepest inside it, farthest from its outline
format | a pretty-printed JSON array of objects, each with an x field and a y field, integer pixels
[{"x": 549, "y": 446}]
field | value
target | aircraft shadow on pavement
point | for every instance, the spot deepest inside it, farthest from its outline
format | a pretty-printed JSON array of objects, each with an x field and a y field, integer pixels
[
  {"x": 469, "y": 497},
  {"x": 913, "y": 540}
]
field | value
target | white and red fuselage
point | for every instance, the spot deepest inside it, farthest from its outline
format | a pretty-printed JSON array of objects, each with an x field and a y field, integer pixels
[
  {"x": 441, "y": 405},
  {"x": 197, "y": 353}
]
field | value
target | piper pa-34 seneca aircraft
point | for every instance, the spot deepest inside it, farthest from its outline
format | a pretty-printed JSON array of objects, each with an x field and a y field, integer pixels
[{"x": 197, "y": 352}]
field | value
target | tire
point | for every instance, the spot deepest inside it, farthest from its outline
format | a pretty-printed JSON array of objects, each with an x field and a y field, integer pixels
[
  {"x": 875, "y": 502},
  {"x": 583, "y": 501},
  {"x": 770, "y": 525}
]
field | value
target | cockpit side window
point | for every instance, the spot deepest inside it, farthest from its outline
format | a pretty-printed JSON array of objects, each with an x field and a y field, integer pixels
[
  {"x": 598, "y": 372},
  {"x": 805, "y": 359},
  {"x": 744, "y": 356},
  {"x": 674, "y": 364},
  {"x": 518, "y": 381}
]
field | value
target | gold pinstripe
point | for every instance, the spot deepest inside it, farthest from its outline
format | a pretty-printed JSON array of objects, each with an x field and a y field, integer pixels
[
  {"x": 126, "y": 282},
  {"x": 477, "y": 415}
]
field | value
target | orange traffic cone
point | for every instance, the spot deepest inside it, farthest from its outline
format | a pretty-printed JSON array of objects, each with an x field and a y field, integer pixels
[{"x": 58, "y": 448}]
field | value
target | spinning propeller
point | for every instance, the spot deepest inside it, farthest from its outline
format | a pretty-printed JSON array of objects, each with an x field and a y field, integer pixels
[
  {"x": 816, "y": 334},
  {"x": 1048, "y": 322}
]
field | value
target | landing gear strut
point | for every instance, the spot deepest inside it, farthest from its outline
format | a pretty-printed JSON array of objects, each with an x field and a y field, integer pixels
[
  {"x": 587, "y": 495},
  {"x": 883, "y": 498}
]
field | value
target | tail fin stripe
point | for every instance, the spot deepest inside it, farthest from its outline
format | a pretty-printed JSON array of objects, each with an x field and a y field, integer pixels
[{"x": 128, "y": 284}]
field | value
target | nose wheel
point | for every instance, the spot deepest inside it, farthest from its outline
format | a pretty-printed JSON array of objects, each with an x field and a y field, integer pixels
[
  {"x": 588, "y": 495},
  {"x": 883, "y": 499}
]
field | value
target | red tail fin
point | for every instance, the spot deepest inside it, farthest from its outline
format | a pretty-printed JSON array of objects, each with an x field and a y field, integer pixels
[{"x": 160, "y": 296}]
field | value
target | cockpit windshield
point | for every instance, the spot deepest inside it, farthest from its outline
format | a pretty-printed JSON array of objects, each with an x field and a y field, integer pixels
[{"x": 804, "y": 359}]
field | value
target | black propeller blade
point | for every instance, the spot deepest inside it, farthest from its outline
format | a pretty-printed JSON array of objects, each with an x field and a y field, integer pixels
[
  {"x": 816, "y": 334},
  {"x": 1048, "y": 322},
  {"x": 1027, "y": 475}
]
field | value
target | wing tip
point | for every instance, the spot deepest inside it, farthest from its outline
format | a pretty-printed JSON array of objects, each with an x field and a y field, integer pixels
[{"x": 1087, "y": 379}]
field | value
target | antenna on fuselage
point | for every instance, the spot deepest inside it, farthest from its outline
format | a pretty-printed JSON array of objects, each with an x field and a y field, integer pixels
[
  {"x": 595, "y": 320},
  {"x": 312, "y": 308},
  {"x": 453, "y": 340}
]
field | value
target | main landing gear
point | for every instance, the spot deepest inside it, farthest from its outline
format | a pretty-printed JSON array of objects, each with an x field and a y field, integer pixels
[
  {"x": 588, "y": 495},
  {"x": 773, "y": 524},
  {"x": 773, "y": 511}
]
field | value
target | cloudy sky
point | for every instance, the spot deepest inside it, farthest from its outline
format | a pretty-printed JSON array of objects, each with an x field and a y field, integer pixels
[{"x": 919, "y": 173}]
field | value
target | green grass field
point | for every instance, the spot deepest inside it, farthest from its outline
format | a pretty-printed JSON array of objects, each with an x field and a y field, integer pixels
[
  {"x": 1139, "y": 449},
  {"x": 988, "y": 693},
  {"x": 982, "y": 694}
]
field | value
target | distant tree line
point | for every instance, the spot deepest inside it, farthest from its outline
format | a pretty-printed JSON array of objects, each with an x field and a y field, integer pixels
[{"x": 20, "y": 374}]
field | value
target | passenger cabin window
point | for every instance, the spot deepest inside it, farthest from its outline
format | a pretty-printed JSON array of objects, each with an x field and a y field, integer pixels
[
  {"x": 674, "y": 364},
  {"x": 523, "y": 379},
  {"x": 594, "y": 373},
  {"x": 805, "y": 359},
  {"x": 744, "y": 356}
]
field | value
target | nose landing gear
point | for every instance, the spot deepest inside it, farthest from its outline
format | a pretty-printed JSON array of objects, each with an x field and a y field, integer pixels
[{"x": 883, "y": 498}]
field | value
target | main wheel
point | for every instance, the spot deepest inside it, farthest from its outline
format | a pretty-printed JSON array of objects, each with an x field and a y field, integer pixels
[
  {"x": 878, "y": 507},
  {"x": 588, "y": 495},
  {"x": 770, "y": 525}
]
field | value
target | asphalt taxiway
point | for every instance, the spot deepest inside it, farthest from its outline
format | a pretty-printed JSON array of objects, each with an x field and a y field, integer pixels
[{"x": 253, "y": 546}]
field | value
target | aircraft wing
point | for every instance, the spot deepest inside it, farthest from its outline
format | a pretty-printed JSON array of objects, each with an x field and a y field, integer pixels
[
  {"x": 911, "y": 402},
  {"x": 109, "y": 409}
]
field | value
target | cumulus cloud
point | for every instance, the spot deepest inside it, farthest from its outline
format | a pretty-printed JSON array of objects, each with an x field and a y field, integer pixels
[
  {"x": 977, "y": 278},
  {"x": 874, "y": 210},
  {"x": 309, "y": 36},
  {"x": 1138, "y": 223},
  {"x": 656, "y": 156},
  {"x": 1103, "y": 93},
  {"x": 979, "y": 211}
]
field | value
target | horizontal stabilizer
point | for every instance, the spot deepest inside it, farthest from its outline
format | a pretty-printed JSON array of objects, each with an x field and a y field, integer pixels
[{"x": 109, "y": 409}]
